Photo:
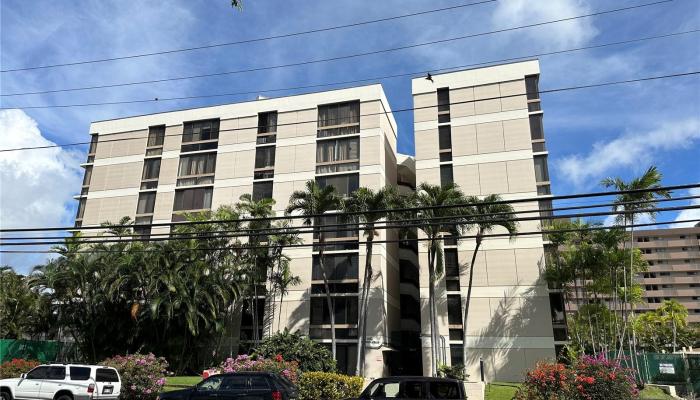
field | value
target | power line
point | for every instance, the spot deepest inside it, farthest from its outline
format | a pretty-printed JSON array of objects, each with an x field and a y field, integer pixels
[
  {"x": 373, "y": 79},
  {"x": 323, "y": 227},
  {"x": 454, "y": 220},
  {"x": 253, "y": 40},
  {"x": 358, "y": 242},
  {"x": 394, "y": 210},
  {"x": 337, "y": 58},
  {"x": 556, "y": 90}
]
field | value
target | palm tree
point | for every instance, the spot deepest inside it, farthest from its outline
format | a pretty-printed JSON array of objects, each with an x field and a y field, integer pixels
[
  {"x": 674, "y": 312},
  {"x": 260, "y": 261},
  {"x": 314, "y": 201},
  {"x": 281, "y": 281},
  {"x": 629, "y": 205},
  {"x": 436, "y": 217},
  {"x": 487, "y": 213},
  {"x": 368, "y": 207}
]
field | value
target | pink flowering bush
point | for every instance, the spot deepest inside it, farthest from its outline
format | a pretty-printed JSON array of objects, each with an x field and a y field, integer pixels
[
  {"x": 143, "y": 375},
  {"x": 244, "y": 362},
  {"x": 590, "y": 378}
]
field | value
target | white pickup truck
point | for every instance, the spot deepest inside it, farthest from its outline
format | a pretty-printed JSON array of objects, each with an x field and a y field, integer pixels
[{"x": 63, "y": 382}]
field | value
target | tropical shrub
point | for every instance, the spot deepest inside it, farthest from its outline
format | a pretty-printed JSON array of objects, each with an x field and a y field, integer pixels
[
  {"x": 292, "y": 346},
  {"x": 327, "y": 385},
  {"x": 277, "y": 364},
  {"x": 16, "y": 367},
  {"x": 452, "y": 371},
  {"x": 142, "y": 375},
  {"x": 590, "y": 378}
]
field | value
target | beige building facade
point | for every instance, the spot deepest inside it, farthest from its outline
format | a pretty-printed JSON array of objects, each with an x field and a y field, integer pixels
[
  {"x": 199, "y": 159},
  {"x": 476, "y": 128},
  {"x": 480, "y": 130}
]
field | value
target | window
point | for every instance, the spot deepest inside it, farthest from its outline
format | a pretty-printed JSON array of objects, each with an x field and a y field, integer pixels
[
  {"x": 81, "y": 208},
  {"x": 445, "y": 135},
  {"x": 543, "y": 190},
  {"x": 38, "y": 373},
  {"x": 259, "y": 383},
  {"x": 151, "y": 169},
  {"x": 106, "y": 375},
  {"x": 146, "y": 203},
  {"x": 156, "y": 134},
  {"x": 446, "y": 177},
  {"x": 142, "y": 227},
  {"x": 339, "y": 155},
  {"x": 193, "y": 199},
  {"x": 339, "y": 119},
  {"x": 536, "y": 127},
  {"x": 267, "y": 122},
  {"x": 265, "y": 157},
  {"x": 445, "y": 156},
  {"x": 444, "y": 390},
  {"x": 345, "y": 309},
  {"x": 385, "y": 390},
  {"x": 93, "y": 144},
  {"x": 541, "y": 170},
  {"x": 197, "y": 164},
  {"x": 534, "y": 106},
  {"x": 57, "y": 373},
  {"x": 195, "y": 131},
  {"x": 338, "y": 266},
  {"x": 451, "y": 263},
  {"x": 88, "y": 175},
  {"x": 344, "y": 184},
  {"x": 454, "y": 309},
  {"x": 262, "y": 190},
  {"x": 532, "y": 87},
  {"x": 443, "y": 98},
  {"x": 79, "y": 373},
  {"x": 538, "y": 147},
  {"x": 332, "y": 227}
]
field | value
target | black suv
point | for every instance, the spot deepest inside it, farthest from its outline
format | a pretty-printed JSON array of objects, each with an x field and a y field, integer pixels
[
  {"x": 237, "y": 386},
  {"x": 414, "y": 388}
]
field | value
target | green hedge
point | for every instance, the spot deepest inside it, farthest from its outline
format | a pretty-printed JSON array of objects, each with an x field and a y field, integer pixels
[{"x": 327, "y": 385}]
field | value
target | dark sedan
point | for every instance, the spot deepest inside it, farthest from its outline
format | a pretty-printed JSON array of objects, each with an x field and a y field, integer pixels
[
  {"x": 414, "y": 388},
  {"x": 237, "y": 386}
]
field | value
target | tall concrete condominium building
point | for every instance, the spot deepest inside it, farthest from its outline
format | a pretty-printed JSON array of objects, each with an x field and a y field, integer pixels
[
  {"x": 673, "y": 271},
  {"x": 482, "y": 130},
  {"x": 674, "y": 268},
  {"x": 199, "y": 159}
]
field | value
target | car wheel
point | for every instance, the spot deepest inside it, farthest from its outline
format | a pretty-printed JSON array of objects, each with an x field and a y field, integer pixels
[
  {"x": 64, "y": 397},
  {"x": 5, "y": 395}
]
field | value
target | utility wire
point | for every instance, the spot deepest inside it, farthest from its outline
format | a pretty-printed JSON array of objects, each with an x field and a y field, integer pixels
[
  {"x": 323, "y": 227},
  {"x": 393, "y": 210},
  {"x": 540, "y": 92},
  {"x": 355, "y": 81},
  {"x": 344, "y": 57},
  {"x": 252, "y": 40},
  {"x": 357, "y": 242},
  {"x": 456, "y": 220}
]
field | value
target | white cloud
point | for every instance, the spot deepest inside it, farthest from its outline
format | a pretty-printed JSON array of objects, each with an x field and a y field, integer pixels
[
  {"x": 560, "y": 35},
  {"x": 689, "y": 214},
  {"x": 628, "y": 150},
  {"x": 36, "y": 187}
]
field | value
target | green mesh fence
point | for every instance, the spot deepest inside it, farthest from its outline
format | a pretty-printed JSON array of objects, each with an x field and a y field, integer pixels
[
  {"x": 41, "y": 350},
  {"x": 680, "y": 370}
]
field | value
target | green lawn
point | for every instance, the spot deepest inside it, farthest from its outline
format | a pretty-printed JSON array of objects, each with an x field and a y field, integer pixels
[
  {"x": 180, "y": 380},
  {"x": 506, "y": 391}
]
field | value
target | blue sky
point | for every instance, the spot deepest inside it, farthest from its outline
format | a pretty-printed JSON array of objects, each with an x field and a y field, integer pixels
[{"x": 591, "y": 134}]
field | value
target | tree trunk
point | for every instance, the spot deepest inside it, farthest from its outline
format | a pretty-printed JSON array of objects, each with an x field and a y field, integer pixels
[
  {"x": 364, "y": 301},
  {"x": 434, "y": 343},
  {"x": 467, "y": 301},
  {"x": 329, "y": 299}
]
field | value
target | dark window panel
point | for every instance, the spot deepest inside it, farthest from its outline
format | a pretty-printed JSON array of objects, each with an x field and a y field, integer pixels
[
  {"x": 156, "y": 134},
  {"x": 445, "y": 135},
  {"x": 532, "y": 87},
  {"x": 262, "y": 190},
  {"x": 344, "y": 184},
  {"x": 536, "y": 127},
  {"x": 446, "y": 177},
  {"x": 193, "y": 199},
  {"x": 443, "y": 98},
  {"x": 267, "y": 122},
  {"x": 194, "y": 131},
  {"x": 151, "y": 168},
  {"x": 338, "y": 266}
]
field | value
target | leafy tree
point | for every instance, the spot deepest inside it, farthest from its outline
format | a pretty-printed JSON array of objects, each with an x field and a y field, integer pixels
[
  {"x": 368, "y": 207},
  {"x": 23, "y": 311},
  {"x": 488, "y": 214},
  {"x": 673, "y": 312},
  {"x": 314, "y": 201},
  {"x": 292, "y": 346},
  {"x": 436, "y": 218},
  {"x": 282, "y": 277}
]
